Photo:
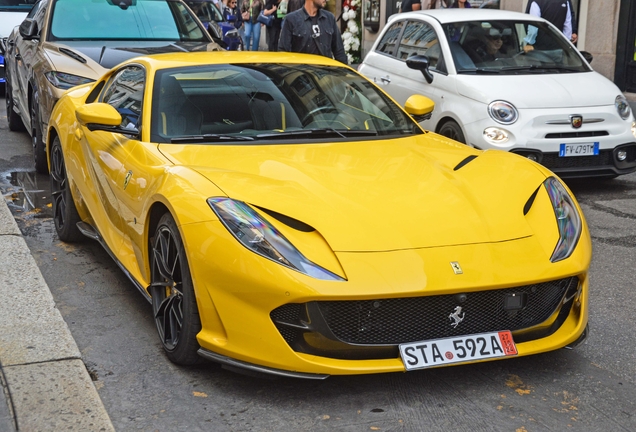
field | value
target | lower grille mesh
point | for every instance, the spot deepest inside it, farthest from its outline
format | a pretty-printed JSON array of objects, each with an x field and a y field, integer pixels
[{"x": 402, "y": 320}]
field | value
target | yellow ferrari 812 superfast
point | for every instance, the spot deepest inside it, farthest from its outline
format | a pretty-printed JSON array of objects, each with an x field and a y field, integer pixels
[{"x": 284, "y": 215}]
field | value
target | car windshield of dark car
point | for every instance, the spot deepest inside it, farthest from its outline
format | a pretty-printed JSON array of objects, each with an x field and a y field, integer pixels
[
  {"x": 497, "y": 47},
  {"x": 269, "y": 102},
  {"x": 137, "y": 20},
  {"x": 16, "y": 5}
]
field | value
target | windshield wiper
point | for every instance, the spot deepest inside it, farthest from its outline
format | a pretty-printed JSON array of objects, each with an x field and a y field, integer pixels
[
  {"x": 322, "y": 131},
  {"x": 209, "y": 137},
  {"x": 479, "y": 71},
  {"x": 535, "y": 67}
]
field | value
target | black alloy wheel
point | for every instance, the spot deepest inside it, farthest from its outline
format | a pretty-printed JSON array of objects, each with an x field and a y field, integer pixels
[
  {"x": 451, "y": 130},
  {"x": 14, "y": 120},
  {"x": 65, "y": 213},
  {"x": 39, "y": 149},
  {"x": 173, "y": 300}
]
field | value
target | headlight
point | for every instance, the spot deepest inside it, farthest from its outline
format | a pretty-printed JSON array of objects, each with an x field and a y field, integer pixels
[
  {"x": 503, "y": 112},
  {"x": 259, "y": 236},
  {"x": 622, "y": 106},
  {"x": 65, "y": 81},
  {"x": 567, "y": 217}
]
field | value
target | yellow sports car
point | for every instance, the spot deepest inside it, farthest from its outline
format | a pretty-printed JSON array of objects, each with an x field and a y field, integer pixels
[{"x": 283, "y": 215}]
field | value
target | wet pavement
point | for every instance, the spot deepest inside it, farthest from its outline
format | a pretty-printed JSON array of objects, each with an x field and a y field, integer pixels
[{"x": 27, "y": 194}]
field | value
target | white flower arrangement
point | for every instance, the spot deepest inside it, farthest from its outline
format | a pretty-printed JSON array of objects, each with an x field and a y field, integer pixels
[{"x": 352, "y": 32}]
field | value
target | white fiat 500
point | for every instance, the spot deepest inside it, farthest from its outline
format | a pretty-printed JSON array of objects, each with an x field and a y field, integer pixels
[{"x": 510, "y": 81}]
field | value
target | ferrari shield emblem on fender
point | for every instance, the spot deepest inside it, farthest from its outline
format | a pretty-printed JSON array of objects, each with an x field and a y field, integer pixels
[
  {"x": 576, "y": 121},
  {"x": 127, "y": 179},
  {"x": 456, "y": 267}
]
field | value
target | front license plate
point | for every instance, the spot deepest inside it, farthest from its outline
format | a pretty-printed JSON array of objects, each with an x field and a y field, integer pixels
[
  {"x": 586, "y": 149},
  {"x": 438, "y": 352}
]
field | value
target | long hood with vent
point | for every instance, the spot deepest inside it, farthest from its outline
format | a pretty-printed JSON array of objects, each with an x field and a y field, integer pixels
[
  {"x": 377, "y": 195},
  {"x": 91, "y": 59}
]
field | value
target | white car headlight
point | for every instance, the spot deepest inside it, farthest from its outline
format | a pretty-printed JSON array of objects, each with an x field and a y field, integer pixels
[
  {"x": 503, "y": 112},
  {"x": 495, "y": 135},
  {"x": 259, "y": 236},
  {"x": 567, "y": 218},
  {"x": 65, "y": 81},
  {"x": 622, "y": 106}
]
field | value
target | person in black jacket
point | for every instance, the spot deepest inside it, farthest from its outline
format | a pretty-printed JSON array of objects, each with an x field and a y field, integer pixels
[
  {"x": 313, "y": 30},
  {"x": 232, "y": 14},
  {"x": 559, "y": 12},
  {"x": 273, "y": 31}
]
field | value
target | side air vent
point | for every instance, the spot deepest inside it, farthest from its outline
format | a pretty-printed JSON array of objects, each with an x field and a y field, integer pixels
[
  {"x": 528, "y": 206},
  {"x": 73, "y": 55},
  {"x": 290, "y": 222},
  {"x": 464, "y": 162}
]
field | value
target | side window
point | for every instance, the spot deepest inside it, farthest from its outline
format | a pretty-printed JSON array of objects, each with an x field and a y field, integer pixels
[
  {"x": 390, "y": 39},
  {"x": 125, "y": 92},
  {"x": 419, "y": 38}
]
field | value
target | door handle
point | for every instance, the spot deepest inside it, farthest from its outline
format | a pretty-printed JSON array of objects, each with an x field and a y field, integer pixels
[
  {"x": 385, "y": 79},
  {"x": 11, "y": 42},
  {"x": 17, "y": 56}
]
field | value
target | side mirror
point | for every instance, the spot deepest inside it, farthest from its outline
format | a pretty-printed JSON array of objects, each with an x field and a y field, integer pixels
[
  {"x": 29, "y": 29},
  {"x": 419, "y": 107},
  {"x": 420, "y": 62},
  {"x": 102, "y": 117},
  {"x": 587, "y": 56}
]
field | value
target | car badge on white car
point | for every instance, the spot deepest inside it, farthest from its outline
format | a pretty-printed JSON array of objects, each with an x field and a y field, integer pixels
[
  {"x": 456, "y": 317},
  {"x": 576, "y": 121}
]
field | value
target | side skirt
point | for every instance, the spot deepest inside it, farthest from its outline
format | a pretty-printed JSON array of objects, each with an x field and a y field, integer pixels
[{"x": 92, "y": 233}]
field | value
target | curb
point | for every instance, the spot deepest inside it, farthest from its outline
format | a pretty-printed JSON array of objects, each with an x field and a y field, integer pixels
[{"x": 44, "y": 381}]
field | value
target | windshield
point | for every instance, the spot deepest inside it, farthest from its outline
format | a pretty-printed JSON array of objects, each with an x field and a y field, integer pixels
[
  {"x": 16, "y": 5},
  {"x": 497, "y": 47},
  {"x": 205, "y": 11},
  {"x": 136, "y": 20},
  {"x": 265, "y": 102}
]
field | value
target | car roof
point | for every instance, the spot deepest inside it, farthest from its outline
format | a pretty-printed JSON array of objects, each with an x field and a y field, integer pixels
[
  {"x": 201, "y": 58},
  {"x": 460, "y": 15}
]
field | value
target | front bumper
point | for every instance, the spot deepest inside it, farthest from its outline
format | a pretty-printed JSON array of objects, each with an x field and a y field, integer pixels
[
  {"x": 237, "y": 291},
  {"x": 539, "y": 133}
]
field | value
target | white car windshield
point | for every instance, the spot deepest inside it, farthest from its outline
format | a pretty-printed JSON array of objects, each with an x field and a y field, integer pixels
[
  {"x": 136, "y": 20},
  {"x": 271, "y": 102},
  {"x": 497, "y": 47}
]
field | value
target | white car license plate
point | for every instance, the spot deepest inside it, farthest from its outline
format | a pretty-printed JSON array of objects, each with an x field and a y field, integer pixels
[
  {"x": 439, "y": 352},
  {"x": 585, "y": 149}
]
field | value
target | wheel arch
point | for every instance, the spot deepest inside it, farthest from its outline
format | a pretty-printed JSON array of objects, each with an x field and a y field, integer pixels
[{"x": 52, "y": 133}]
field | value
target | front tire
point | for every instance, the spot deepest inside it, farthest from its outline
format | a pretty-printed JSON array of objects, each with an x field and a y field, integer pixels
[
  {"x": 173, "y": 301},
  {"x": 65, "y": 213},
  {"x": 39, "y": 148},
  {"x": 452, "y": 130}
]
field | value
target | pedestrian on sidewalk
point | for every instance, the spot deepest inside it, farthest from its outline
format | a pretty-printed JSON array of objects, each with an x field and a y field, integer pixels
[{"x": 313, "y": 30}]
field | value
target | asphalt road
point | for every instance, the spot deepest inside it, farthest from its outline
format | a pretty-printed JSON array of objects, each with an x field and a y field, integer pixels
[{"x": 591, "y": 388}]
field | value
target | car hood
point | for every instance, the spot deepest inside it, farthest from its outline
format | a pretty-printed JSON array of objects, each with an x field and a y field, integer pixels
[
  {"x": 377, "y": 195},
  {"x": 541, "y": 90},
  {"x": 92, "y": 59}
]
